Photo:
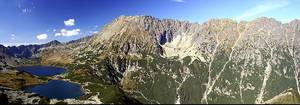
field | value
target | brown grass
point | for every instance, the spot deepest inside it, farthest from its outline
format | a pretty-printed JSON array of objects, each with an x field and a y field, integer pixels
[{"x": 17, "y": 80}]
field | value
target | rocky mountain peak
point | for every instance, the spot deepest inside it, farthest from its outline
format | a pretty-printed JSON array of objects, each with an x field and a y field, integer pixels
[
  {"x": 265, "y": 19},
  {"x": 137, "y": 17},
  {"x": 52, "y": 43},
  {"x": 166, "y": 35}
]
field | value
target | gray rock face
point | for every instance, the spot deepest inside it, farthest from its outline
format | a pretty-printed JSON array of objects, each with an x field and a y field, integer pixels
[{"x": 219, "y": 61}]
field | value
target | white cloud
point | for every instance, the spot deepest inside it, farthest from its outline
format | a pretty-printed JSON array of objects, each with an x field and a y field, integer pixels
[
  {"x": 54, "y": 30},
  {"x": 263, "y": 8},
  {"x": 42, "y": 36},
  {"x": 179, "y": 1},
  {"x": 13, "y": 35},
  {"x": 57, "y": 34},
  {"x": 70, "y": 22},
  {"x": 64, "y": 32}
]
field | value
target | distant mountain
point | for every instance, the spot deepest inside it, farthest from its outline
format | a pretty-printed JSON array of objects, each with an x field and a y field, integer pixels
[
  {"x": 171, "y": 61},
  {"x": 52, "y": 43},
  {"x": 10, "y": 56},
  {"x": 81, "y": 40},
  {"x": 27, "y": 51}
]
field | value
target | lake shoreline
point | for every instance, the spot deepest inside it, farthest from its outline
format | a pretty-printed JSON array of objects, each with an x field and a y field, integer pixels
[
  {"x": 13, "y": 80},
  {"x": 22, "y": 96},
  {"x": 48, "y": 89}
]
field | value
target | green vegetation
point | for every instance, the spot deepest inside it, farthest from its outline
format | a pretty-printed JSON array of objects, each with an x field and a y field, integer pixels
[
  {"x": 81, "y": 76},
  {"x": 44, "y": 78},
  {"x": 108, "y": 93},
  {"x": 240, "y": 82},
  {"x": 87, "y": 96},
  {"x": 84, "y": 70}
]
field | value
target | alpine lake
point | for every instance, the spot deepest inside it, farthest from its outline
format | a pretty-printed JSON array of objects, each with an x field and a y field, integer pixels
[{"x": 54, "y": 89}]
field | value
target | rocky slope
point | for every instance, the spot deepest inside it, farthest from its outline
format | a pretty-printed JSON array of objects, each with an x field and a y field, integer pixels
[
  {"x": 219, "y": 61},
  {"x": 171, "y": 61}
]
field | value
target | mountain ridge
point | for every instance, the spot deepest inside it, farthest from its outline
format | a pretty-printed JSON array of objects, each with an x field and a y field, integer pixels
[
  {"x": 216, "y": 42},
  {"x": 169, "y": 61}
]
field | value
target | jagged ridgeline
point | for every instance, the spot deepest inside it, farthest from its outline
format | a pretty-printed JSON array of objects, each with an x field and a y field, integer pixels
[{"x": 171, "y": 61}]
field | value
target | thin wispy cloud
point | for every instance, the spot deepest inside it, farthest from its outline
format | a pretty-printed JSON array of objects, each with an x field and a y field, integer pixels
[
  {"x": 263, "y": 8},
  {"x": 179, "y": 1}
]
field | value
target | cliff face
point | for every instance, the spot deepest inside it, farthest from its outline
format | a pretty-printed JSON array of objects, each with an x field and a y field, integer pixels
[
  {"x": 171, "y": 61},
  {"x": 219, "y": 61}
]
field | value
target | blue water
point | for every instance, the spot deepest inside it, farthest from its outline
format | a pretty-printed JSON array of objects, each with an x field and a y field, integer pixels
[
  {"x": 57, "y": 89},
  {"x": 54, "y": 88},
  {"x": 42, "y": 70}
]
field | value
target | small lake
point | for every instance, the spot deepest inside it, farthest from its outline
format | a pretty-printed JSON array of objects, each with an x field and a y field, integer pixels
[
  {"x": 42, "y": 70},
  {"x": 57, "y": 89}
]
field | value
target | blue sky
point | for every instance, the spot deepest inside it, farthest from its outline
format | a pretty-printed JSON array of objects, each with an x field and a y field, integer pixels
[{"x": 40, "y": 21}]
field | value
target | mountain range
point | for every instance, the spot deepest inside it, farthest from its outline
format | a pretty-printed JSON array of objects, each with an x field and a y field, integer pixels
[{"x": 153, "y": 60}]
